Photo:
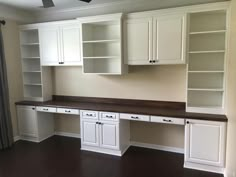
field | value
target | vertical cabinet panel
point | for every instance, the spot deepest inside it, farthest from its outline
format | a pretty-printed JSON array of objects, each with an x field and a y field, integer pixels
[
  {"x": 49, "y": 45},
  {"x": 27, "y": 121},
  {"x": 169, "y": 39},
  {"x": 109, "y": 135},
  {"x": 71, "y": 44},
  {"x": 205, "y": 142},
  {"x": 138, "y": 40},
  {"x": 90, "y": 135}
]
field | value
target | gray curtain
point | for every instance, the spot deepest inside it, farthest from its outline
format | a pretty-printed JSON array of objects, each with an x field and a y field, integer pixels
[{"x": 6, "y": 137}]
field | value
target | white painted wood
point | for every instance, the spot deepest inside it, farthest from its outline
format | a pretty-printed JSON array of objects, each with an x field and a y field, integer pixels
[
  {"x": 27, "y": 121},
  {"x": 109, "y": 116},
  {"x": 168, "y": 120},
  {"x": 68, "y": 111},
  {"x": 50, "y": 45},
  {"x": 89, "y": 133},
  {"x": 109, "y": 135},
  {"x": 71, "y": 44},
  {"x": 205, "y": 142},
  {"x": 138, "y": 40},
  {"x": 169, "y": 39},
  {"x": 46, "y": 109},
  {"x": 136, "y": 117},
  {"x": 93, "y": 115}
]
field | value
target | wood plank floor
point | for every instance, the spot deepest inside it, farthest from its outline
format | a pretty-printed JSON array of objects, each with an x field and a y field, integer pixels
[{"x": 62, "y": 157}]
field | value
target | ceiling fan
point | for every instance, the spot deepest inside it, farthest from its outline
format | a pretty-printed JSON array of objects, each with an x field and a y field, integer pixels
[{"x": 50, "y": 3}]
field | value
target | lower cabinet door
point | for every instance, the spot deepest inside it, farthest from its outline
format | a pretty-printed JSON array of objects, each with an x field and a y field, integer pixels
[
  {"x": 27, "y": 120},
  {"x": 205, "y": 142},
  {"x": 89, "y": 133},
  {"x": 109, "y": 135}
]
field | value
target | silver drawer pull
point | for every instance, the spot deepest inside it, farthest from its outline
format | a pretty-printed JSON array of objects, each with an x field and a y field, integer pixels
[
  {"x": 109, "y": 116},
  {"x": 89, "y": 114},
  {"x": 67, "y": 111},
  {"x": 45, "y": 109},
  {"x": 165, "y": 120},
  {"x": 132, "y": 117}
]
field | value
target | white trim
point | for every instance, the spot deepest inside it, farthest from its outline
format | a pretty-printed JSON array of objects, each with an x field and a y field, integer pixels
[
  {"x": 158, "y": 147},
  {"x": 72, "y": 135},
  {"x": 16, "y": 138}
]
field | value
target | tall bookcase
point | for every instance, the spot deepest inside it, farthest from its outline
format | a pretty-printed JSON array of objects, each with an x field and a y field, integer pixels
[
  {"x": 36, "y": 79},
  {"x": 207, "y": 62}
]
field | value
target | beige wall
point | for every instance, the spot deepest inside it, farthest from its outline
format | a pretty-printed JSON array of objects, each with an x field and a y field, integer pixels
[
  {"x": 166, "y": 83},
  {"x": 231, "y": 113},
  {"x": 12, "y": 53}
]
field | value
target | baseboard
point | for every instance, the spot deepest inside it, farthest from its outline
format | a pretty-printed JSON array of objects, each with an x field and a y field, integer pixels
[
  {"x": 207, "y": 168},
  {"x": 157, "y": 147},
  {"x": 16, "y": 138},
  {"x": 72, "y": 135}
]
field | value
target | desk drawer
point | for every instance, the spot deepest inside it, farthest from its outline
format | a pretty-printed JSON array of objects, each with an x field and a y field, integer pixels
[
  {"x": 167, "y": 120},
  {"x": 135, "y": 117},
  {"x": 68, "y": 111},
  {"x": 109, "y": 116},
  {"x": 89, "y": 115},
  {"x": 46, "y": 109}
]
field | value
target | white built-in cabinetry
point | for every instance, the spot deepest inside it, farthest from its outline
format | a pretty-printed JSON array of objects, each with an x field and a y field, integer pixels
[
  {"x": 206, "y": 61},
  {"x": 36, "y": 79},
  {"x": 102, "y": 44},
  {"x": 60, "y": 43},
  {"x": 205, "y": 143},
  {"x": 33, "y": 125},
  {"x": 155, "y": 39},
  {"x": 101, "y": 132}
]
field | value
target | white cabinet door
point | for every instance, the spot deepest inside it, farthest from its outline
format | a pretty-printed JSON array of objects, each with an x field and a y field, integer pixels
[
  {"x": 89, "y": 133},
  {"x": 71, "y": 44},
  {"x": 109, "y": 135},
  {"x": 205, "y": 142},
  {"x": 27, "y": 121},
  {"x": 49, "y": 38},
  {"x": 138, "y": 41},
  {"x": 169, "y": 39}
]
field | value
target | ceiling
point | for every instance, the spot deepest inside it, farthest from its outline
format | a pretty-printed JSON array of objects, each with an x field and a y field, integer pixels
[{"x": 34, "y": 5}]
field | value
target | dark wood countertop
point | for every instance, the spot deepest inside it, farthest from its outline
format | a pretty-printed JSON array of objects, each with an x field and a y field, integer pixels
[{"x": 155, "y": 108}]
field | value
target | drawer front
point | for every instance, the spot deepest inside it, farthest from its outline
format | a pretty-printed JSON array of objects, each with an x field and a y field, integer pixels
[
  {"x": 135, "y": 117},
  {"x": 167, "y": 120},
  {"x": 109, "y": 116},
  {"x": 89, "y": 115},
  {"x": 68, "y": 111},
  {"x": 46, "y": 109}
]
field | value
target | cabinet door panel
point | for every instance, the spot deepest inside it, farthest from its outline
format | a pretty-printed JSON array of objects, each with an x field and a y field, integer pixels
[
  {"x": 71, "y": 43},
  {"x": 138, "y": 36},
  {"x": 89, "y": 133},
  {"x": 205, "y": 142},
  {"x": 27, "y": 120},
  {"x": 109, "y": 135},
  {"x": 169, "y": 36},
  {"x": 49, "y": 46}
]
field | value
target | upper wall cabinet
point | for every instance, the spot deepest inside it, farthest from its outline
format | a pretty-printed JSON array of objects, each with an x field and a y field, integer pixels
[
  {"x": 60, "y": 44},
  {"x": 155, "y": 39}
]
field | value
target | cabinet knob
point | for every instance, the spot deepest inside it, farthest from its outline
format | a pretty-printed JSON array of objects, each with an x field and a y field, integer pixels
[
  {"x": 154, "y": 61},
  {"x": 188, "y": 122},
  {"x": 150, "y": 61}
]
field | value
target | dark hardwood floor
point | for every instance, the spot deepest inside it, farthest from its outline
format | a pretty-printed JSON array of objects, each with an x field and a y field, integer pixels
[{"x": 62, "y": 157}]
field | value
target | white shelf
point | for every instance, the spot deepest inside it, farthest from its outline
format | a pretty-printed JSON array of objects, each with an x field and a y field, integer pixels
[
  {"x": 29, "y": 44},
  {"x": 29, "y": 57},
  {"x": 31, "y": 71},
  {"x": 101, "y": 41},
  {"x": 205, "y": 89},
  {"x": 207, "y": 32},
  {"x": 102, "y": 57},
  {"x": 206, "y": 71},
  {"x": 209, "y": 51},
  {"x": 33, "y": 84}
]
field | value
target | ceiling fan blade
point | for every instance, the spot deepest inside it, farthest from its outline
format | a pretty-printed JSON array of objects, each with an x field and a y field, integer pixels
[
  {"x": 48, "y": 3},
  {"x": 86, "y": 1}
]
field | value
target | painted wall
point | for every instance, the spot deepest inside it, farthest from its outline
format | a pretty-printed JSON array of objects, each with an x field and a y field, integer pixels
[
  {"x": 167, "y": 83},
  {"x": 13, "y": 61},
  {"x": 231, "y": 113}
]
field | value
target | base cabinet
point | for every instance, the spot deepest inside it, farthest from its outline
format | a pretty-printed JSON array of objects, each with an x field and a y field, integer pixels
[
  {"x": 205, "y": 145},
  {"x": 103, "y": 136},
  {"x": 34, "y": 126}
]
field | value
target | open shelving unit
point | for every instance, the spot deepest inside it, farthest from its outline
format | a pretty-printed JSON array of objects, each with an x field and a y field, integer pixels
[
  {"x": 206, "y": 62},
  {"x": 102, "y": 44},
  {"x": 32, "y": 72}
]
